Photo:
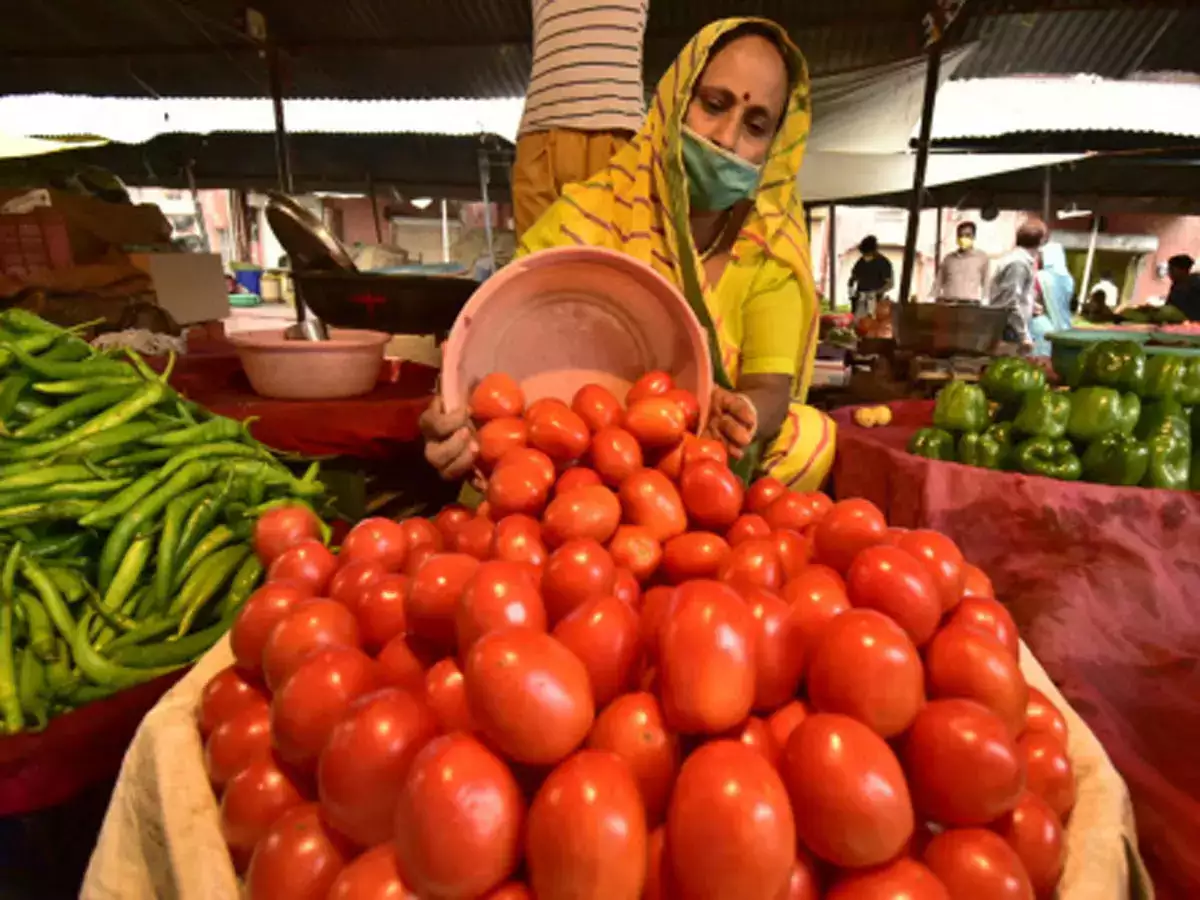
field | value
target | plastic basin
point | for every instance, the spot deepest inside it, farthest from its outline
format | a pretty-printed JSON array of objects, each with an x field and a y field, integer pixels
[
  {"x": 347, "y": 365},
  {"x": 562, "y": 318}
]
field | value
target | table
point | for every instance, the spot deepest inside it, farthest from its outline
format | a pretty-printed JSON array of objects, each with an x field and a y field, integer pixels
[{"x": 1104, "y": 584}]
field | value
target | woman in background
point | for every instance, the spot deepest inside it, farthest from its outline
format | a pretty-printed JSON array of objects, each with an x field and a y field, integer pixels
[{"x": 1055, "y": 287}]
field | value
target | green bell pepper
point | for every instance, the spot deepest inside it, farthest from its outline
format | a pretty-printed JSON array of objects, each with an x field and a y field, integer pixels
[
  {"x": 1097, "y": 411},
  {"x": 1164, "y": 377},
  {"x": 1010, "y": 378},
  {"x": 1189, "y": 382},
  {"x": 1116, "y": 459},
  {"x": 1170, "y": 462},
  {"x": 1044, "y": 413},
  {"x": 1163, "y": 417},
  {"x": 932, "y": 443},
  {"x": 961, "y": 407},
  {"x": 982, "y": 450},
  {"x": 1052, "y": 457},
  {"x": 1115, "y": 364}
]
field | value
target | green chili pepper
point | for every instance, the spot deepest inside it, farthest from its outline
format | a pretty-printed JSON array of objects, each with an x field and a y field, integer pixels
[
  {"x": 208, "y": 545},
  {"x": 142, "y": 457},
  {"x": 67, "y": 370},
  {"x": 113, "y": 618},
  {"x": 147, "y": 629},
  {"x": 42, "y": 637},
  {"x": 44, "y": 475},
  {"x": 168, "y": 653},
  {"x": 24, "y": 320},
  {"x": 67, "y": 490},
  {"x": 245, "y": 580},
  {"x": 11, "y": 389},
  {"x": 64, "y": 545},
  {"x": 48, "y": 593},
  {"x": 128, "y": 572},
  {"x": 87, "y": 385},
  {"x": 71, "y": 585},
  {"x": 31, "y": 678},
  {"x": 273, "y": 475},
  {"x": 59, "y": 676},
  {"x": 30, "y": 408},
  {"x": 202, "y": 519},
  {"x": 168, "y": 542},
  {"x": 58, "y": 511},
  {"x": 218, "y": 429},
  {"x": 210, "y": 576},
  {"x": 10, "y": 702},
  {"x": 72, "y": 409},
  {"x": 103, "y": 671}
]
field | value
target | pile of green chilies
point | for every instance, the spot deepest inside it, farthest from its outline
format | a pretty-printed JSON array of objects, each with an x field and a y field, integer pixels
[{"x": 126, "y": 514}]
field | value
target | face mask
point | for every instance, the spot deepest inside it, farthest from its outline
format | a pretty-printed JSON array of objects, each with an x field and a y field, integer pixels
[
  {"x": 717, "y": 179},
  {"x": 966, "y": 243}
]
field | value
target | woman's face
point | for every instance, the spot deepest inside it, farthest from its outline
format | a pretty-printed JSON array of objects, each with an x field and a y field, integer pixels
[{"x": 740, "y": 97}]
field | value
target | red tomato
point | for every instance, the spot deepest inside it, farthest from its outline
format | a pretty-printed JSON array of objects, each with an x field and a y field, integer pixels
[
  {"x": 1035, "y": 832},
  {"x": 603, "y": 633},
  {"x": 433, "y": 596},
  {"x": 236, "y": 742},
  {"x": 576, "y": 571},
  {"x": 902, "y": 879},
  {"x": 584, "y": 513},
  {"x": 864, "y": 666},
  {"x": 794, "y": 549},
  {"x": 656, "y": 422},
  {"x": 586, "y": 831},
  {"x": 298, "y": 858},
  {"x": 519, "y": 539},
  {"x": 817, "y": 595},
  {"x": 653, "y": 384},
  {"x": 496, "y": 396},
  {"x": 785, "y": 720},
  {"x": 730, "y": 830},
  {"x": 762, "y": 493},
  {"x": 753, "y": 564},
  {"x": 1042, "y": 716},
  {"x": 687, "y": 402},
  {"x": 962, "y": 764},
  {"x": 990, "y": 617},
  {"x": 889, "y": 580},
  {"x": 790, "y": 510},
  {"x": 696, "y": 554},
  {"x": 364, "y": 763},
  {"x": 755, "y": 734},
  {"x": 747, "y": 528},
  {"x": 707, "y": 659},
  {"x": 376, "y": 540},
  {"x": 253, "y": 799},
  {"x": 972, "y": 862},
  {"x": 632, "y": 727},
  {"x": 942, "y": 560},
  {"x": 281, "y": 528},
  {"x": 576, "y": 478},
  {"x": 510, "y": 891},
  {"x": 226, "y": 694},
  {"x": 698, "y": 450},
  {"x": 559, "y": 433},
  {"x": 820, "y": 503},
  {"x": 497, "y": 437},
  {"x": 669, "y": 460},
  {"x": 597, "y": 406},
  {"x": 455, "y": 779},
  {"x": 500, "y": 594},
  {"x": 847, "y": 781},
  {"x": 961, "y": 662},
  {"x": 516, "y": 488},
  {"x": 529, "y": 695},
  {"x": 446, "y": 695},
  {"x": 1048, "y": 771},
  {"x": 615, "y": 455},
  {"x": 635, "y": 548},
  {"x": 308, "y": 562},
  {"x": 850, "y": 526},
  {"x": 779, "y": 651},
  {"x": 542, "y": 464},
  {"x": 261, "y": 612},
  {"x": 976, "y": 583},
  {"x": 380, "y": 611},
  {"x": 649, "y": 499},
  {"x": 805, "y": 882},
  {"x": 308, "y": 706},
  {"x": 656, "y": 609},
  {"x": 659, "y": 880},
  {"x": 373, "y": 876},
  {"x": 399, "y": 666},
  {"x": 311, "y": 625},
  {"x": 420, "y": 532},
  {"x": 449, "y": 520},
  {"x": 627, "y": 590},
  {"x": 712, "y": 495},
  {"x": 352, "y": 579},
  {"x": 418, "y": 557}
]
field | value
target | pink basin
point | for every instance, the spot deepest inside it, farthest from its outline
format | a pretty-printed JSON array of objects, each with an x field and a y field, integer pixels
[{"x": 346, "y": 365}]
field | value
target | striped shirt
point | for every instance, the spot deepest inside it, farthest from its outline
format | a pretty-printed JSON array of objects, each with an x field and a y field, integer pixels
[{"x": 587, "y": 66}]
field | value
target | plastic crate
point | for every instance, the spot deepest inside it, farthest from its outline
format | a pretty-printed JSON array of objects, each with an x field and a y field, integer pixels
[{"x": 34, "y": 242}]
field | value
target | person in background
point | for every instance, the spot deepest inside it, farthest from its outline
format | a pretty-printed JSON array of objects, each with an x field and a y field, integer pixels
[
  {"x": 963, "y": 274},
  {"x": 1108, "y": 289},
  {"x": 585, "y": 97},
  {"x": 1014, "y": 284},
  {"x": 1185, "y": 286},
  {"x": 1055, "y": 287},
  {"x": 871, "y": 276}
]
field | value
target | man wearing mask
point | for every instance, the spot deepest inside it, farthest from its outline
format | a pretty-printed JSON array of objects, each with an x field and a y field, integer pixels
[
  {"x": 585, "y": 97},
  {"x": 1014, "y": 286},
  {"x": 963, "y": 274}
]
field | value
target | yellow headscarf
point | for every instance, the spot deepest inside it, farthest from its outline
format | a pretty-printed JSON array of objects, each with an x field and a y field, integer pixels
[{"x": 639, "y": 203}]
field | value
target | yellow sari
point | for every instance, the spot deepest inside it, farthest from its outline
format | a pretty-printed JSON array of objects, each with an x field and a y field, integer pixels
[{"x": 762, "y": 316}]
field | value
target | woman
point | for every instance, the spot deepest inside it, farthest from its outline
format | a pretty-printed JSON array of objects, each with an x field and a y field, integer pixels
[
  {"x": 706, "y": 195},
  {"x": 1055, "y": 289}
]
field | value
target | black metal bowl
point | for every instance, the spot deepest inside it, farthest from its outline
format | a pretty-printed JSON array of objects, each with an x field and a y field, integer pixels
[{"x": 399, "y": 304}]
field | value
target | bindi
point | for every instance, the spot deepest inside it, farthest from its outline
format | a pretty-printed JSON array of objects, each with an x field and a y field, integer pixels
[{"x": 745, "y": 98}]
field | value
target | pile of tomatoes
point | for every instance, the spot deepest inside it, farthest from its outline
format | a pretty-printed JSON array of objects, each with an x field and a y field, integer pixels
[{"x": 626, "y": 676}]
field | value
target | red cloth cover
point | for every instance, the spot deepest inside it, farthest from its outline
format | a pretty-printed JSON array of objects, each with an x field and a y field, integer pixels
[{"x": 1104, "y": 584}]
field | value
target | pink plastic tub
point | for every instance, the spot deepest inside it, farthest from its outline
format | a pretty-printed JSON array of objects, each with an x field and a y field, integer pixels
[
  {"x": 346, "y": 365},
  {"x": 562, "y": 318}
]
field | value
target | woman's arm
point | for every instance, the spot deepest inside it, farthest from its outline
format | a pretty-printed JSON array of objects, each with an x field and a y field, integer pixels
[{"x": 770, "y": 395}]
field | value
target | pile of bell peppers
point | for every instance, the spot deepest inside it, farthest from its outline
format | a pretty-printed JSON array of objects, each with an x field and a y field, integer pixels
[{"x": 1127, "y": 419}]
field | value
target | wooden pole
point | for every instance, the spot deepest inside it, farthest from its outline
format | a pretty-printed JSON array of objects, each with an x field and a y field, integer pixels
[
  {"x": 374, "y": 209},
  {"x": 833, "y": 255},
  {"x": 933, "y": 70},
  {"x": 1046, "y": 196}
]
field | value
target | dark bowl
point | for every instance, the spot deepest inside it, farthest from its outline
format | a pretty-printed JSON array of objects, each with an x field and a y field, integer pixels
[{"x": 398, "y": 304}]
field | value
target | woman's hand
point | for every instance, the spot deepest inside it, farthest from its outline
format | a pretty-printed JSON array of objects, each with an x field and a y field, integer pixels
[
  {"x": 732, "y": 419},
  {"x": 450, "y": 445}
]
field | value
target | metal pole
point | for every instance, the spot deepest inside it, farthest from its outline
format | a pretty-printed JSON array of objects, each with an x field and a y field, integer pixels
[
  {"x": 485, "y": 174},
  {"x": 374, "y": 209},
  {"x": 1046, "y": 194},
  {"x": 283, "y": 162},
  {"x": 1091, "y": 256},
  {"x": 445, "y": 233},
  {"x": 937, "y": 240},
  {"x": 933, "y": 70},
  {"x": 833, "y": 255},
  {"x": 197, "y": 206}
]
